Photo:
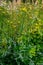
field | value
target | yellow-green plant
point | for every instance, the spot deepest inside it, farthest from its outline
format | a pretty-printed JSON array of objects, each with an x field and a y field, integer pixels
[{"x": 21, "y": 36}]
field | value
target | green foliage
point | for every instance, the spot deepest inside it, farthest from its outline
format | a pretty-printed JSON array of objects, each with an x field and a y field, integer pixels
[{"x": 21, "y": 36}]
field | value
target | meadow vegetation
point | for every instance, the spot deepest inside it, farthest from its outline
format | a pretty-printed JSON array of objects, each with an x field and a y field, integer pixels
[{"x": 21, "y": 35}]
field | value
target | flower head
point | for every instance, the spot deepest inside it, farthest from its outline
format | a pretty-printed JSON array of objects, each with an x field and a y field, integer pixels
[{"x": 24, "y": 9}]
